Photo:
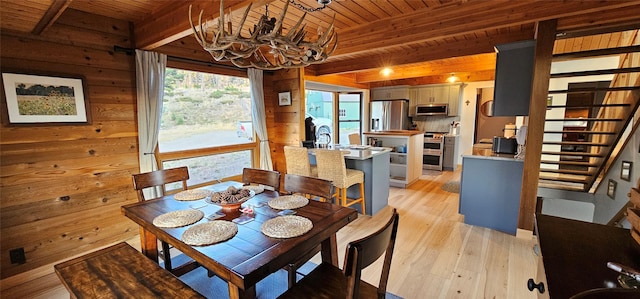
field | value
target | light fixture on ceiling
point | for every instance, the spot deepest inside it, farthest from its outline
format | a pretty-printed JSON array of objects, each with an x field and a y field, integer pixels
[
  {"x": 453, "y": 78},
  {"x": 266, "y": 47},
  {"x": 386, "y": 71}
]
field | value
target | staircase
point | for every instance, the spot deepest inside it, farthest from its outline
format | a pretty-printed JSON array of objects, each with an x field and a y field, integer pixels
[{"x": 585, "y": 120}]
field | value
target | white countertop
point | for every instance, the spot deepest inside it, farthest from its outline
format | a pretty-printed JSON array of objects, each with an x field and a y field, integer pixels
[
  {"x": 359, "y": 152},
  {"x": 503, "y": 157}
]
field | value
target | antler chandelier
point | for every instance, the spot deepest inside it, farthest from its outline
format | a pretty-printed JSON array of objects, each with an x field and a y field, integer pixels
[{"x": 266, "y": 47}]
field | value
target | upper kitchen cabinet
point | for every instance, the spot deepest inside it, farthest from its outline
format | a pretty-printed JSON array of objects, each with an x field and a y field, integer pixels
[
  {"x": 514, "y": 75},
  {"x": 390, "y": 93},
  {"x": 431, "y": 94}
]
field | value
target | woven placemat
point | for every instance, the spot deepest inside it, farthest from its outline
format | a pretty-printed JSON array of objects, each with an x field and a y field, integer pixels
[
  {"x": 255, "y": 188},
  {"x": 210, "y": 233},
  {"x": 193, "y": 194},
  {"x": 288, "y": 202},
  {"x": 178, "y": 218},
  {"x": 288, "y": 226}
]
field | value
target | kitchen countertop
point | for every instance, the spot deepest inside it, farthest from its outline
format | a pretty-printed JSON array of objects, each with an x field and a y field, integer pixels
[
  {"x": 395, "y": 133},
  {"x": 494, "y": 156},
  {"x": 359, "y": 152}
]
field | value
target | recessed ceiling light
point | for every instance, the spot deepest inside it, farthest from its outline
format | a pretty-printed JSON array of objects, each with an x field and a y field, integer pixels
[
  {"x": 386, "y": 71},
  {"x": 453, "y": 78}
]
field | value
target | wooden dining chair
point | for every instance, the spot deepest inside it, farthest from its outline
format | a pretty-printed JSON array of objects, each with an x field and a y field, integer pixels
[
  {"x": 159, "y": 178},
  {"x": 328, "y": 281},
  {"x": 307, "y": 186},
  {"x": 268, "y": 178},
  {"x": 320, "y": 188},
  {"x": 332, "y": 167}
]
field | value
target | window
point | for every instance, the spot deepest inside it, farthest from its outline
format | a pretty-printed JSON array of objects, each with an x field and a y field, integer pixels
[
  {"x": 206, "y": 125},
  {"x": 350, "y": 120},
  {"x": 319, "y": 106}
]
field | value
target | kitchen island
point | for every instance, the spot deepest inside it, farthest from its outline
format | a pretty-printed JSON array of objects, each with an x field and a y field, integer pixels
[
  {"x": 490, "y": 191},
  {"x": 405, "y": 164},
  {"x": 374, "y": 162}
]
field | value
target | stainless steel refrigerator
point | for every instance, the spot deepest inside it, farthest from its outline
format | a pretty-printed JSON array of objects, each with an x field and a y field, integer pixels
[{"x": 389, "y": 115}]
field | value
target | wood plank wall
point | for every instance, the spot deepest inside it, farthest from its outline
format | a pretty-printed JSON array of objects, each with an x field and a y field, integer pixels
[
  {"x": 90, "y": 164},
  {"x": 285, "y": 124}
]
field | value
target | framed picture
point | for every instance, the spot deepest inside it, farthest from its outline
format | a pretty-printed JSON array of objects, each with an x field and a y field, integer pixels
[
  {"x": 611, "y": 189},
  {"x": 625, "y": 170},
  {"x": 284, "y": 98},
  {"x": 37, "y": 99}
]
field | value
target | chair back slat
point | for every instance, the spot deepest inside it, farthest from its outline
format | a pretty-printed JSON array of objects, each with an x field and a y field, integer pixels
[
  {"x": 363, "y": 252},
  {"x": 160, "y": 178},
  {"x": 262, "y": 177},
  {"x": 308, "y": 185}
]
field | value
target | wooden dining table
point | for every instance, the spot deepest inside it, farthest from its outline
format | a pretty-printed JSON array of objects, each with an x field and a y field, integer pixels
[{"x": 250, "y": 255}]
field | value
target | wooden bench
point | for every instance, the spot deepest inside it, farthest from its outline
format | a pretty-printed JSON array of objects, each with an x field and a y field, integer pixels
[{"x": 120, "y": 271}]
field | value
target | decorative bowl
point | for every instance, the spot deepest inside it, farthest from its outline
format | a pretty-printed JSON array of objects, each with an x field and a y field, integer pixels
[{"x": 229, "y": 203}]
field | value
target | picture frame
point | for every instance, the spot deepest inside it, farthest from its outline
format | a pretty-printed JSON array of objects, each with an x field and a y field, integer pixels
[
  {"x": 284, "y": 98},
  {"x": 611, "y": 189},
  {"x": 44, "y": 99},
  {"x": 625, "y": 170}
]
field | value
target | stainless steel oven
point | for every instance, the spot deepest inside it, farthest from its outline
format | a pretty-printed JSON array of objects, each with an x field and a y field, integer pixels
[{"x": 432, "y": 151}]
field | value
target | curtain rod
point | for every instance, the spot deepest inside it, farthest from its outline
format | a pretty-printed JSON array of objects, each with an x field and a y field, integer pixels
[{"x": 130, "y": 51}]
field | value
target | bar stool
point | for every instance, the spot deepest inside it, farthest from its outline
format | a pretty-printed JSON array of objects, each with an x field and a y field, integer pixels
[
  {"x": 297, "y": 160},
  {"x": 331, "y": 166},
  {"x": 354, "y": 139}
]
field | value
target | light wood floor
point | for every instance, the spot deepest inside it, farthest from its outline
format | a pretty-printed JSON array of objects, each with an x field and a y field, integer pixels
[{"x": 436, "y": 254}]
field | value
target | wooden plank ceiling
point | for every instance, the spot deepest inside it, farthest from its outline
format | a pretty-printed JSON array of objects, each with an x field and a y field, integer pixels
[{"x": 423, "y": 40}]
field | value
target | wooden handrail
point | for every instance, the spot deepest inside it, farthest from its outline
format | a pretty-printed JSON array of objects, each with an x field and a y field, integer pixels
[{"x": 618, "y": 216}]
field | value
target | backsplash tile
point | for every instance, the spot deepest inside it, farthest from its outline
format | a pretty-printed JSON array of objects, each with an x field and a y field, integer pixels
[{"x": 434, "y": 123}]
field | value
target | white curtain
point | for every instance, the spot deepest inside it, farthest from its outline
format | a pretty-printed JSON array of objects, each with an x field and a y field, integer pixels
[
  {"x": 150, "y": 69},
  {"x": 259, "y": 117}
]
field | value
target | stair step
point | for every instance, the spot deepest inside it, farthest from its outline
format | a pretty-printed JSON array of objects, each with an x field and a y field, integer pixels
[
  {"x": 575, "y": 143},
  {"x": 585, "y": 164},
  {"x": 591, "y": 89},
  {"x": 582, "y": 132},
  {"x": 564, "y": 179},
  {"x": 596, "y": 72},
  {"x": 562, "y": 186},
  {"x": 590, "y": 106},
  {"x": 574, "y": 154},
  {"x": 567, "y": 171},
  {"x": 584, "y": 119}
]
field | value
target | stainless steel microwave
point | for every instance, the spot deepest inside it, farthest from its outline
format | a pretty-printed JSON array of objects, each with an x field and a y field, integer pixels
[{"x": 432, "y": 109}]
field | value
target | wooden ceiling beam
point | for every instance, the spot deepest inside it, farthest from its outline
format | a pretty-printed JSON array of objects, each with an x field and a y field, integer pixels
[
  {"x": 489, "y": 75},
  {"x": 340, "y": 80},
  {"x": 480, "y": 62},
  {"x": 171, "y": 22},
  {"x": 456, "y": 20},
  {"x": 51, "y": 15},
  {"x": 464, "y": 47},
  {"x": 618, "y": 19}
]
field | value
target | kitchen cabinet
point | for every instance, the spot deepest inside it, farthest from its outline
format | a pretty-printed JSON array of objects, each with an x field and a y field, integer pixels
[
  {"x": 404, "y": 168},
  {"x": 490, "y": 192},
  {"x": 390, "y": 93},
  {"x": 514, "y": 75},
  {"x": 430, "y": 94},
  {"x": 450, "y": 153},
  {"x": 413, "y": 100}
]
